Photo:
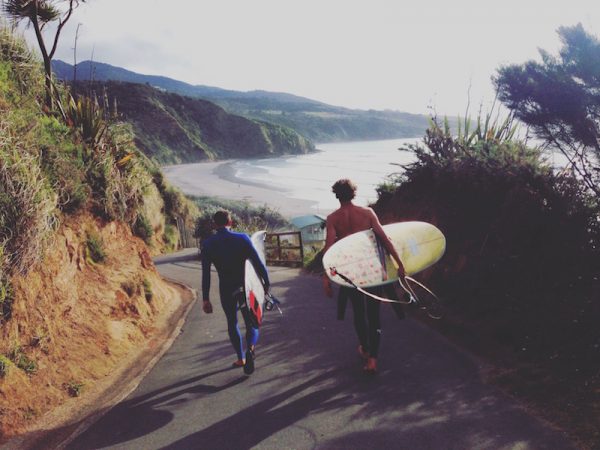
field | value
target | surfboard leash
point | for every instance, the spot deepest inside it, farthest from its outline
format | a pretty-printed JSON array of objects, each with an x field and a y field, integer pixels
[
  {"x": 272, "y": 302},
  {"x": 413, "y": 296}
]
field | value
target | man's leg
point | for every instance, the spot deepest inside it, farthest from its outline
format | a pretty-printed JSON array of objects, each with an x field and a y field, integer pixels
[
  {"x": 358, "y": 308},
  {"x": 229, "y": 305},
  {"x": 251, "y": 340},
  {"x": 374, "y": 333},
  {"x": 374, "y": 326},
  {"x": 251, "y": 330}
]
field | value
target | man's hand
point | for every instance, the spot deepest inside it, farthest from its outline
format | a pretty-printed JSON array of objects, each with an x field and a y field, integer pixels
[
  {"x": 401, "y": 273},
  {"x": 207, "y": 306},
  {"x": 327, "y": 286}
]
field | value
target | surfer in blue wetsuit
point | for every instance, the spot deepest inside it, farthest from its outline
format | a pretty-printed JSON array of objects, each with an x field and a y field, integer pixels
[
  {"x": 228, "y": 251},
  {"x": 346, "y": 220}
]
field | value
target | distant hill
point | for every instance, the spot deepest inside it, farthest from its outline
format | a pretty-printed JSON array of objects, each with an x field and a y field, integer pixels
[
  {"x": 171, "y": 128},
  {"x": 315, "y": 120}
]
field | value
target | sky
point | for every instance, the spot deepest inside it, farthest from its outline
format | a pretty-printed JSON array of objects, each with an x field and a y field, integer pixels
[{"x": 414, "y": 56}]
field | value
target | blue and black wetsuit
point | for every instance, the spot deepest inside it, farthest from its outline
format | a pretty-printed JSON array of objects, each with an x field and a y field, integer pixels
[{"x": 228, "y": 251}]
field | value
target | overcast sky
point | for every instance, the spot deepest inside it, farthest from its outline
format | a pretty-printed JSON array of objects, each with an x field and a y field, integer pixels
[{"x": 371, "y": 54}]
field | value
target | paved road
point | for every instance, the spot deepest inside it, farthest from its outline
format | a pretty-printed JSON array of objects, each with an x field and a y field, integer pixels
[{"x": 308, "y": 390}]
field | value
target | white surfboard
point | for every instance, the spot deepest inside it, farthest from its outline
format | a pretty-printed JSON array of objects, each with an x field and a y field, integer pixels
[
  {"x": 362, "y": 259},
  {"x": 253, "y": 286}
]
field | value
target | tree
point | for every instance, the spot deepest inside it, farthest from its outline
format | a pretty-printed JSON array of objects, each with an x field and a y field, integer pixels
[
  {"x": 40, "y": 13},
  {"x": 559, "y": 98}
]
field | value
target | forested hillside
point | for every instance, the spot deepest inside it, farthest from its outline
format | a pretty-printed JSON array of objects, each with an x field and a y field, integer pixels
[
  {"x": 315, "y": 120},
  {"x": 171, "y": 128}
]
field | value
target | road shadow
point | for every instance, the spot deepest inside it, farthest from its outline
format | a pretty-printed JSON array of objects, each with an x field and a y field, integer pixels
[
  {"x": 145, "y": 414},
  {"x": 309, "y": 390}
]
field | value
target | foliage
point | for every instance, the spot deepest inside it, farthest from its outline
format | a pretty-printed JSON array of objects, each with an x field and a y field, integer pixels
[
  {"x": 27, "y": 202},
  {"x": 148, "y": 294},
  {"x": 171, "y": 237},
  {"x": 95, "y": 247},
  {"x": 560, "y": 99},
  {"x": 172, "y": 129},
  {"x": 40, "y": 339},
  {"x": 22, "y": 361},
  {"x": 40, "y": 13},
  {"x": 523, "y": 243},
  {"x": 24, "y": 67},
  {"x": 142, "y": 228},
  {"x": 6, "y": 295},
  {"x": 245, "y": 217},
  {"x": 74, "y": 388},
  {"x": 129, "y": 287},
  {"x": 313, "y": 120},
  {"x": 5, "y": 364},
  {"x": 85, "y": 115}
]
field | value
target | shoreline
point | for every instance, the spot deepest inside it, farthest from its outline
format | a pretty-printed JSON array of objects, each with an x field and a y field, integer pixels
[{"x": 219, "y": 181}]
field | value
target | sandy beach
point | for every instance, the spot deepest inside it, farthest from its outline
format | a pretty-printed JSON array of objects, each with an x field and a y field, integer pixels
[{"x": 217, "y": 179}]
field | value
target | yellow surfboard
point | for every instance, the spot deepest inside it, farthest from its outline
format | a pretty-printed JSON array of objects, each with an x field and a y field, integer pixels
[{"x": 362, "y": 259}]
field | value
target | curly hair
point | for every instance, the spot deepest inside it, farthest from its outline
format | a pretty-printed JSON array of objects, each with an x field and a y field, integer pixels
[
  {"x": 221, "y": 218},
  {"x": 344, "y": 189}
]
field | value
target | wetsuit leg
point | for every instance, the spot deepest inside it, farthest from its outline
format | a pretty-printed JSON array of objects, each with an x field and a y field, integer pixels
[
  {"x": 360, "y": 323},
  {"x": 374, "y": 326},
  {"x": 251, "y": 330},
  {"x": 229, "y": 304}
]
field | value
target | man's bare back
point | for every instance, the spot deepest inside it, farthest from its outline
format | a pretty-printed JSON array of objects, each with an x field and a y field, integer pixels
[{"x": 348, "y": 219}]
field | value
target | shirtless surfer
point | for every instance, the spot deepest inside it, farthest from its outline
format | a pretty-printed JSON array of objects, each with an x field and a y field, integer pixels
[
  {"x": 346, "y": 220},
  {"x": 228, "y": 251}
]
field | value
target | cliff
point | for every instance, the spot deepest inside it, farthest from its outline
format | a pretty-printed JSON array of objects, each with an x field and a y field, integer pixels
[{"x": 171, "y": 128}]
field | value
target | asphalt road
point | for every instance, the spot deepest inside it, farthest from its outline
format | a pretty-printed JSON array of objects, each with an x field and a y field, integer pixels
[{"x": 308, "y": 390}]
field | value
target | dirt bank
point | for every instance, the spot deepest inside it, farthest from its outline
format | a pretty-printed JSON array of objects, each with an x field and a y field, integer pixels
[{"x": 76, "y": 323}]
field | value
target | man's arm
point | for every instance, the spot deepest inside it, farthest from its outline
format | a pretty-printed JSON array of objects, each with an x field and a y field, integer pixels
[
  {"x": 206, "y": 263},
  {"x": 380, "y": 232}
]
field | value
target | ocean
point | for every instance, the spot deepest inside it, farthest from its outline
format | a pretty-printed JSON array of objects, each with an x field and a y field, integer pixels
[{"x": 309, "y": 177}]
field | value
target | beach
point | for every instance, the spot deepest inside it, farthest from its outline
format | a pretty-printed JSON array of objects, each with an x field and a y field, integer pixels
[
  {"x": 218, "y": 179},
  {"x": 296, "y": 185}
]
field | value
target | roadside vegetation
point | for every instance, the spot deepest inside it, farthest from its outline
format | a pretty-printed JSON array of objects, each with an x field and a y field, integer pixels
[
  {"x": 72, "y": 179},
  {"x": 522, "y": 266},
  {"x": 246, "y": 218}
]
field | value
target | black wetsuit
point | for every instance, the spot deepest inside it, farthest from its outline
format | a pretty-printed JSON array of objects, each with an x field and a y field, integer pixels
[{"x": 228, "y": 251}]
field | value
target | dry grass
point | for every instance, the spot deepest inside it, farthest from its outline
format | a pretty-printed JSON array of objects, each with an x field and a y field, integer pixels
[{"x": 28, "y": 205}]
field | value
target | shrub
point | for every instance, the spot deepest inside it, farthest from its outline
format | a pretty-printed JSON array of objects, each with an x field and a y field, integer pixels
[
  {"x": 25, "y": 67},
  {"x": 511, "y": 225},
  {"x": 40, "y": 339},
  {"x": 22, "y": 361},
  {"x": 129, "y": 288},
  {"x": 74, "y": 388},
  {"x": 245, "y": 217},
  {"x": 28, "y": 205},
  {"x": 171, "y": 237},
  {"x": 95, "y": 248},
  {"x": 143, "y": 228},
  {"x": 4, "y": 366},
  {"x": 148, "y": 294},
  {"x": 6, "y": 295}
]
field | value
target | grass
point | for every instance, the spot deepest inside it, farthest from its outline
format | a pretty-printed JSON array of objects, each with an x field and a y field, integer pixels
[
  {"x": 74, "y": 388},
  {"x": 5, "y": 364},
  {"x": 142, "y": 228},
  {"x": 95, "y": 248},
  {"x": 22, "y": 361},
  {"x": 148, "y": 294}
]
